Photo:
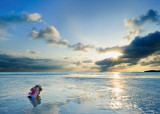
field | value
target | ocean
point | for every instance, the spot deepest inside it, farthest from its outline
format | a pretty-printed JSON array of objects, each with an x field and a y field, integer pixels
[{"x": 80, "y": 93}]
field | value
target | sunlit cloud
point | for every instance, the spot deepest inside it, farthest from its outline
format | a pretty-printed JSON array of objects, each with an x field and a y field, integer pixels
[
  {"x": 81, "y": 47},
  {"x": 31, "y": 52},
  {"x": 113, "y": 55},
  {"x": 139, "y": 48},
  {"x": 50, "y": 34},
  {"x": 18, "y": 18},
  {"x": 12, "y": 19},
  {"x": 110, "y": 49},
  {"x": 33, "y": 17},
  {"x": 153, "y": 61}
]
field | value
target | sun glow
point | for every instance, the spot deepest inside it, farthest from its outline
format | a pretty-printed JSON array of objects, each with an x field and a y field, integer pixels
[{"x": 113, "y": 55}]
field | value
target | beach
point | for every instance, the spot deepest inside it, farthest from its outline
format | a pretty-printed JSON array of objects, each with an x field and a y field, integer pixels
[{"x": 80, "y": 93}]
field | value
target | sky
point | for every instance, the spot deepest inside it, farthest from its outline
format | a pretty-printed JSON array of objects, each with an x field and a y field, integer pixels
[{"x": 79, "y": 35}]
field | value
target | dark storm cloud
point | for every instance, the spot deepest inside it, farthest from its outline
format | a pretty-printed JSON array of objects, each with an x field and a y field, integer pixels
[
  {"x": 11, "y": 63},
  {"x": 142, "y": 47},
  {"x": 19, "y": 18},
  {"x": 81, "y": 47},
  {"x": 139, "y": 48}
]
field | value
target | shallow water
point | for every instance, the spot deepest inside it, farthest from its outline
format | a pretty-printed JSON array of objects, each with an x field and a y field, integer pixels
[{"x": 81, "y": 93}]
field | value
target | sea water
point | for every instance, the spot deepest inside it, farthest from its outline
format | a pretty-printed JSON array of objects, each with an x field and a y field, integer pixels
[{"x": 80, "y": 93}]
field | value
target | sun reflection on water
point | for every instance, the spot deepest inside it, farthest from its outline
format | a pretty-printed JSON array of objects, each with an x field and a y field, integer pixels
[
  {"x": 116, "y": 105},
  {"x": 116, "y": 75},
  {"x": 117, "y": 92}
]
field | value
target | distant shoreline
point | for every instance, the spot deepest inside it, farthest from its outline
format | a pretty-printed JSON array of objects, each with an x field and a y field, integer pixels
[{"x": 152, "y": 71}]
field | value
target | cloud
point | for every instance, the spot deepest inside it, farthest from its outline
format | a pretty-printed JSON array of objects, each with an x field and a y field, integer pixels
[
  {"x": 135, "y": 25},
  {"x": 87, "y": 61},
  {"x": 33, "y": 17},
  {"x": 4, "y": 34},
  {"x": 110, "y": 49},
  {"x": 26, "y": 52},
  {"x": 77, "y": 63},
  {"x": 32, "y": 52},
  {"x": 18, "y": 18},
  {"x": 60, "y": 42},
  {"x": 81, "y": 47},
  {"x": 16, "y": 64},
  {"x": 12, "y": 18},
  {"x": 139, "y": 48},
  {"x": 50, "y": 34},
  {"x": 35, "y": 52},
  {"x": 26, "y": 62},
  {"x": 142, "y": 47},
  {"x": 3, "y": 38},
  {"x": 150, "y": 16},
  {"x": 153, "y": 61}
]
